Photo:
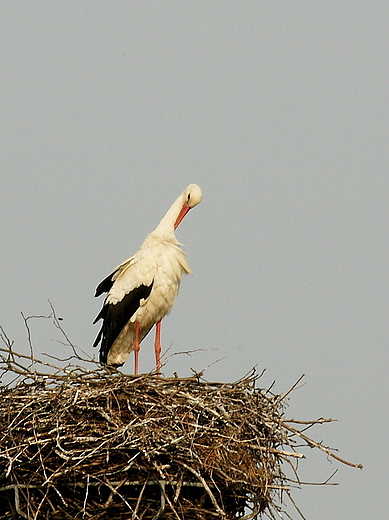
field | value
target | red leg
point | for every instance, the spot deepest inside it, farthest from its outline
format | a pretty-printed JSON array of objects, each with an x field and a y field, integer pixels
[
  {"x": 157, "y": 348},
  {"x": 136, "y": 348}
]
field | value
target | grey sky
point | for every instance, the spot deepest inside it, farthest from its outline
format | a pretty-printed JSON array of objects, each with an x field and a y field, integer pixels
[{"x": 279, "y": 111}]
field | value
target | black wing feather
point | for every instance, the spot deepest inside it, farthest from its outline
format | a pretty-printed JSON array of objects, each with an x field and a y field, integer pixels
[
  {"x": 115, "y": 316},
  {"x": 105, "y": 285}
]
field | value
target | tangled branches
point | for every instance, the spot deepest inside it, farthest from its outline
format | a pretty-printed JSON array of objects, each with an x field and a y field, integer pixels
[{"x": 95, "y": 443}]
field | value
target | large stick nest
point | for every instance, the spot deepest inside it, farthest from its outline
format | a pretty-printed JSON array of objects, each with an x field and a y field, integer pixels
[{"x": 95, "y": 444}]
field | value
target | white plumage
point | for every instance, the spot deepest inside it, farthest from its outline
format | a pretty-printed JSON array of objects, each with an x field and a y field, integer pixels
[{"x": 142, "y": 289}]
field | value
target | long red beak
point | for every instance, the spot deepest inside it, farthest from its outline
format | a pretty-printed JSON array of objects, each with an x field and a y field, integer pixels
[{"x": 181, "y": 215}]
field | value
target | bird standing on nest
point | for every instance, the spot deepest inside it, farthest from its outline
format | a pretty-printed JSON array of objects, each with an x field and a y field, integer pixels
[{"x": 142, "y": 289}]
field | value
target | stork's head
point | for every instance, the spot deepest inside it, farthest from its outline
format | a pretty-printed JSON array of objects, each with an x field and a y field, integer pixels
[{"x": 190, "y": 197}]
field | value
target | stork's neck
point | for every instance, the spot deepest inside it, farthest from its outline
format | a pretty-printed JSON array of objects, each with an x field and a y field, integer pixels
[{"x": 166, "y": 225}]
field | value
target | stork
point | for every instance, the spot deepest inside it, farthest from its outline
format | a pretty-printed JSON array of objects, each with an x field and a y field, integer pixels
[{"x": 142, "y": 289}]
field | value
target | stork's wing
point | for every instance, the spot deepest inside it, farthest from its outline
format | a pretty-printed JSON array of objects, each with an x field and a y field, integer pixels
[
  {"x": 115, "y": 316},
  {"x": 129, "y": 284}
]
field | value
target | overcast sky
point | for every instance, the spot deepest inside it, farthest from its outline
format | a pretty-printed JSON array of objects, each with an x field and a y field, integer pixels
[{"x": 279, "y": 111}]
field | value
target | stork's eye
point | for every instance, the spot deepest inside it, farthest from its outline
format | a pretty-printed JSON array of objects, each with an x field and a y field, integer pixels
[{"x": 188, "y": 198}]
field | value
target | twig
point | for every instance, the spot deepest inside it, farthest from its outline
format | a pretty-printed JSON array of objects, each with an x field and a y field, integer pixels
[
  {"x": 206, "y": 487},
  {"x": 315, "y": 444},
  {"x": 293, "y": 387}
]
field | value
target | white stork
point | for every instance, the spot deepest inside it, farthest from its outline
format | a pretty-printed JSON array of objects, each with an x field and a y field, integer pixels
[{"x": 142, "y": 289}]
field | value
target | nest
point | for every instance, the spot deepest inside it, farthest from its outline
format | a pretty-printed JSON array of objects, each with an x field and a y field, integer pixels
[{"x": 93, "y": 443}]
